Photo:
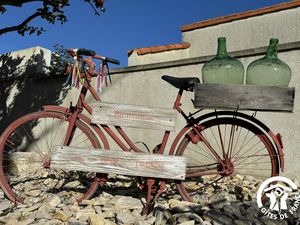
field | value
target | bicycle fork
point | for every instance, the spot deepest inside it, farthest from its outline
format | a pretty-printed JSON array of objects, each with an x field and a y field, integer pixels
[{"x": 71, "y": 126}]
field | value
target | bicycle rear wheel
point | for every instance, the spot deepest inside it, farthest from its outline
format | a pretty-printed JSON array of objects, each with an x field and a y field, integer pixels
[
  {"x": 25, "y": 157},
  {"x": 220, "y": 148}
]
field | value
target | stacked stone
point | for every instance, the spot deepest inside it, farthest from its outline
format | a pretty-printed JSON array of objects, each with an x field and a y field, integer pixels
[{"x": 231, "y": 203}]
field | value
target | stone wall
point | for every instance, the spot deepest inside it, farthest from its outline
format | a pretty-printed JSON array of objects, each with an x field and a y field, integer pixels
[
  {"x": 31, "y": 62},
  {"x": 25, "y": 84}
]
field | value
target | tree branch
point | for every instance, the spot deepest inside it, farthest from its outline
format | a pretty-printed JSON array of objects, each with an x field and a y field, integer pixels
[
  {"x": 51, "y": 11},
  {"x": 17, "y": 3},
  {"x": 21, "y": 25}
]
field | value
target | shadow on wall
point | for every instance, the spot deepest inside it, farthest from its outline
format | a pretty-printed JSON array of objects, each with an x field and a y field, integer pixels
[{"x": 25, "y": 88}]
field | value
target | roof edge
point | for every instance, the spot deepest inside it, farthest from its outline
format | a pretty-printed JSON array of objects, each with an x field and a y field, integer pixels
[
  {"x": 251, "y": 52},
  {"x": 239, "y": 16},
  {"x": 160, "y": 48}
]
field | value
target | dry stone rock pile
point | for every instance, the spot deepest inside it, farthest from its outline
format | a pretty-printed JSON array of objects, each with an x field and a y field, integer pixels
[{"x": 232, "y": 203}]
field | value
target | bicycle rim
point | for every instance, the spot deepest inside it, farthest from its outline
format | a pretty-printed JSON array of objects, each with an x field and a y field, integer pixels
[
  {"x": 25, "y": 149},
  {"x": 228, "y": 147}
]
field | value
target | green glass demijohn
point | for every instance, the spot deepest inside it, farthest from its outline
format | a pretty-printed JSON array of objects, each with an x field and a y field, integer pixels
[
  {"x": 223, "y": 69},
  {"x": 269, "y": 70}
]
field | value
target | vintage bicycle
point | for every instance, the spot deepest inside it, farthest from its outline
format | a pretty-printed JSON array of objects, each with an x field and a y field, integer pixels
[{"x": 217, "y": 145}]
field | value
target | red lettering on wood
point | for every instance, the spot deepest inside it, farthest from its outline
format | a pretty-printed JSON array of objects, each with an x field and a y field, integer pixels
[
  {"x": 150, "y": 165},
  {"x": 137, "y": 116}
]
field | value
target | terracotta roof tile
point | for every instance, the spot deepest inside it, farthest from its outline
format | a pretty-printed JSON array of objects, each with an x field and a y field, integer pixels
[
  {"x": 243, "y": 15},
  {"x": 161, "y": 48}
]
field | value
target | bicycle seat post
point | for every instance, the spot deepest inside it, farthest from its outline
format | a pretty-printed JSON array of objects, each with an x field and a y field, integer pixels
[{"x": 177, "y": 102}]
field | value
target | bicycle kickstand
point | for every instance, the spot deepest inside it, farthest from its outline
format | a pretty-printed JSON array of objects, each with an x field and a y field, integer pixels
[{"x": 152, "y": 197}]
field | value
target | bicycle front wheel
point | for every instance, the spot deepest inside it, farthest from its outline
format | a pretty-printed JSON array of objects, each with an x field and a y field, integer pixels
[
  {"x": 25, "y": 157},
  {"x": 220, "y": 148}
]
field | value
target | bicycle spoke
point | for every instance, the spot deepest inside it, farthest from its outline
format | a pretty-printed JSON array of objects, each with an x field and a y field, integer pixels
[
  {"x": 224, "y": 153},
  {"x": 211, "y": 149},
  {"x": 213, "y": 133},
  {"x": 200, "y": 152},
  {"x": 245, "y": 145},
  {"x": 58, "y": 128},
  {"x": 51, "y": 140},
  {"x": 240, "y": 157},
  {"x": 251, "y": 162},
  {"x": 230, "y": 143},
  {"x": 46, "y": 136},
  {"x": 32, "y": 138},
  {"x": 242, "y": 144},
  {"x": 211, "y": 145},
  {"x": 11, "y": 145},
  {"x": 79, "y": 141},
  {"x": 254, "y": 155},
  {"x": 236, "y": 142},
  {"x": 37, "y": 149},
  {"x": 221, "y": 140}
]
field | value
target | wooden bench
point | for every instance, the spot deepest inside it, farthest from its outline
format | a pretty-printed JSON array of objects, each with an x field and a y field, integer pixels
[
  {"x": 119, "y": 162},
  {"x": 244, "y": 97},
  {"x": 134, "y": 116}
]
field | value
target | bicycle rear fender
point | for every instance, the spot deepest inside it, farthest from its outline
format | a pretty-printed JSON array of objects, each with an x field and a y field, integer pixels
[
  {"x": 276, "y": 138},
  {"x": 82, "y": 117}
]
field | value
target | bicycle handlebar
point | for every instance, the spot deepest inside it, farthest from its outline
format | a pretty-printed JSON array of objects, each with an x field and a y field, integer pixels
[
  {"x": 92, "y": 53},
  {"x": 86, "y": 52},
  {"x": 114, "y": 61},
  {"x": 91, "y": 72}
]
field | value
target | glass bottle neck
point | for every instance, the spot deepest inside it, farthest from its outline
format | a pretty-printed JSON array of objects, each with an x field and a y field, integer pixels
[
  {"x": 222, "y": 50},
  {"x": 272, "y": 49}
]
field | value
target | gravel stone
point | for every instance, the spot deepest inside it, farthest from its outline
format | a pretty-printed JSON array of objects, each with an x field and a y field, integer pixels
[{"x": 230, "y": 203}]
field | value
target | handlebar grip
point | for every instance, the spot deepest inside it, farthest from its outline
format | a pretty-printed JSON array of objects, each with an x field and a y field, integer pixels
[
  {"x": 86, "y": 52},
  {"x": 114, "y": 61}
]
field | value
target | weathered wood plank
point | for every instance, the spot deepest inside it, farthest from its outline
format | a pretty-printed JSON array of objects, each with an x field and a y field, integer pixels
[
  {"x": 244, "y": 97},
  {"x": 119, "y": 162},
  {"x": 134, "y": 116}
]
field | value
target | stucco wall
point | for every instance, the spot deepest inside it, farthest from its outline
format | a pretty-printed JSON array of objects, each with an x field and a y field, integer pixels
[{"x": 247, "y": 33}]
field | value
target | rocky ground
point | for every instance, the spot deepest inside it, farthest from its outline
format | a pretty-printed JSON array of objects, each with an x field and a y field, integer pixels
[{"x": 232, "y": 203}]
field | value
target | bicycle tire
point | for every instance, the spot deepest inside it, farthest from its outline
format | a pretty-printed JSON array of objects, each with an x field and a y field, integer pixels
[
  {"x": 25, "y": 154},
  {"x": 210, "y": 128}
]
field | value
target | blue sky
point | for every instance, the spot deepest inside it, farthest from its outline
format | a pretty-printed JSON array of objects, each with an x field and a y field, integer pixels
[{"x": 126, "y": 24}]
